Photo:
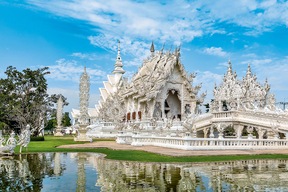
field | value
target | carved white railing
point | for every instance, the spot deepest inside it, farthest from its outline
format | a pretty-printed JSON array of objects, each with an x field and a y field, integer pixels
[
  {"x": 188, "y": 143},
  {"x": 223, "y": 114},
  {"x": 203, "y": 120},
  {"x": 124, "y": 138},
  {"x": 249, "y": 117}
]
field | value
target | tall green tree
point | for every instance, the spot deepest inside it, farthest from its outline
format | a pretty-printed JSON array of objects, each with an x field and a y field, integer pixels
[
  {"x": 66, "y": 121},
  {"x": 23, "y": 98}
]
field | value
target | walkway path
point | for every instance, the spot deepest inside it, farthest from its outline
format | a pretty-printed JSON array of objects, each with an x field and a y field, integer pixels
[{"x": 171, "y": 152}]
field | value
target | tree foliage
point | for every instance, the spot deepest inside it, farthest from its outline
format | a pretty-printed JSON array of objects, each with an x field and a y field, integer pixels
[
  {"x": 66, "y": 120},
  {"x": 52, "y": 113},
  {"x": 52, "y": 122},
  {"x": 23, "y": 98}
]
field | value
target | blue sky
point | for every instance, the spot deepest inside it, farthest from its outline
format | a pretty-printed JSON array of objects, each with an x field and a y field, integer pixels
[{"x": 67, "y": 35}]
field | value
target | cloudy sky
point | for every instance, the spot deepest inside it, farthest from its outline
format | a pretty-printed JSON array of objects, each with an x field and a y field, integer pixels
[{"x": 67, "y": 35}]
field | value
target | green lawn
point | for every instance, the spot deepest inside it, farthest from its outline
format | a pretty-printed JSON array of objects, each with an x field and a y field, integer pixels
[{"x": 51, "y": 142}]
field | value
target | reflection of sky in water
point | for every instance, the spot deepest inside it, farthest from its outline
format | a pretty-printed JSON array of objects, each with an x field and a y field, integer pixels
[{"x": 67, "y": 181}]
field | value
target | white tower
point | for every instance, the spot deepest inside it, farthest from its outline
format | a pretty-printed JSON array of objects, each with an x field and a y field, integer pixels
[{"x": 84, "y": 88}]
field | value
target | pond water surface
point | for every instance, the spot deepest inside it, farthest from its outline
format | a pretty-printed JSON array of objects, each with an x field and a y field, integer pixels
[{"x": 91, "y": 172}]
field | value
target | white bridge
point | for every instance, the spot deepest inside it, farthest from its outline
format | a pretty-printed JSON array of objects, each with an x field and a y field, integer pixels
[{"x": 264, "y": 130}]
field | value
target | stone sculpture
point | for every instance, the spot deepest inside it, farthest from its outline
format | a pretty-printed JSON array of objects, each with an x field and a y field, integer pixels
[
  {"x": 8, "y": 148},
  {"x": 84, "y": 102},
  {"x": 24, "y": 138},
  {"x": 59, "y": 117}
]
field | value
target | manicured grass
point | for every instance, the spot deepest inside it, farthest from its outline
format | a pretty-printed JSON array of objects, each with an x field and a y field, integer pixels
[{"x": 50, "y": 144}]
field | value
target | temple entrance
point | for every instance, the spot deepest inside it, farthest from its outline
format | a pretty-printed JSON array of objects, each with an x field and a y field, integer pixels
[
  {"x": 172, "y": 105},
  {"x": 157, "y": 111}
]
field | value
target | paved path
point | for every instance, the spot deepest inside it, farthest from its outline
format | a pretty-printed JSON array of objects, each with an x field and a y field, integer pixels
[{"x": 171, "y": 152}]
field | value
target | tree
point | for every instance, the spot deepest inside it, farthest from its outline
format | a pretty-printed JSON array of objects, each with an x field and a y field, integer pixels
[
  {"x": 66, "y": 120},
  {"x": 51, "y": 121},
  {"x": 24, "y": 99}
]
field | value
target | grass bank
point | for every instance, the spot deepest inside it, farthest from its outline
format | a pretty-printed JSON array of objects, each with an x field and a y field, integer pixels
[{"x": 51, "y": 142}]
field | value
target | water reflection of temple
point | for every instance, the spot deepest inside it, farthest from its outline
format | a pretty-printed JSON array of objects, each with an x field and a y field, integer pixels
[
  {"x": 29, "y": 173},
  {"x": 250, "y": 175}
]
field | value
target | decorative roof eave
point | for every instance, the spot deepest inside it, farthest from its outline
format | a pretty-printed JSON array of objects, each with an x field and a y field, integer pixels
[
  {"x": 104, "y": 93},
  {"x": 138, "y": 96},
  {"x": 144, "y": 99},
  {"x": 127, "y": 94}
]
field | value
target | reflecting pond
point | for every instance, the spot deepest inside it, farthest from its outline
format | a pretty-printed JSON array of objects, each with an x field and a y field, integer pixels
[{"x": 91, "y": 172}]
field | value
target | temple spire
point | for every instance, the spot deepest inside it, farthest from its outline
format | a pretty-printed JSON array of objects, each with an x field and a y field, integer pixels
[
  {"x": 152, "y": 49},
  {"x": 229, "y": 71},
  {"x": 248, "y": 73},
  {"x": 266, "y": 85},
  {"x": 118, "y": 64}
]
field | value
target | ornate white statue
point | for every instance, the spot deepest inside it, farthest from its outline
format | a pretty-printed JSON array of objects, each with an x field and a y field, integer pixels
[
  {"x": 59, "y": 111},
  {"x": 84, "y": 101},
  {"x": 59, "y": 116},
  {"x": 9, "y": 145},
  {"x": 84, "y": 97},
  {"x": 2, "y": 139},
  {"x": 24, "y": 138}
]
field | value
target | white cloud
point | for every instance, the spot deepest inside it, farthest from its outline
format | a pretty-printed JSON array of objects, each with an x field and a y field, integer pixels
[
  {"x": 139, "y": 50},
  {"x": 88, "y": 56},
  {"x": 216, "y": 51},
  {"x": 276, "y": 73},
  {"x": 137, "y": 23},
  {"x": 69, "y": 70},
  {"x": 72, "y": 97},
  {"x": 176, "y": 21},
  {"x": 223, "y": 66},
  {"x": 250, "y": 55},
  {"x": 257, "y": 62},
  {"x": 256, "y": 16},
  {"x": 144, "y": 20},
  {"x": 127, "y": 45}
]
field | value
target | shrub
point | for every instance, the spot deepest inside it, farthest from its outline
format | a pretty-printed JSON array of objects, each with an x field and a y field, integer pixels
[{"x": 37, "y": 138}]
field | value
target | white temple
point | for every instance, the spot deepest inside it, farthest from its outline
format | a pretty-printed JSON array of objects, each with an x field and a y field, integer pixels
[
  {"x": 160, "y": 89},
  {"x": 160, "y": 106}
]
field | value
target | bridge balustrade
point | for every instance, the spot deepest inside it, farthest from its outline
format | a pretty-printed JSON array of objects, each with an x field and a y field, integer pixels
[{"x": 189, "y": 143}]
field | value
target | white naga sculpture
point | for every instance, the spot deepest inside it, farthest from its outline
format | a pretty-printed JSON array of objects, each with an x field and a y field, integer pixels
[
  {"x": 9, "y": 145},
  {"x": 24, "y": 138}
]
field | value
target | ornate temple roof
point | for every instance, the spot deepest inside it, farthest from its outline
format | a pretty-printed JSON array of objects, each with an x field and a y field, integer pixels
[
  {"x": 247, "y": 90},
  {"x": 155, "y": 72}
]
